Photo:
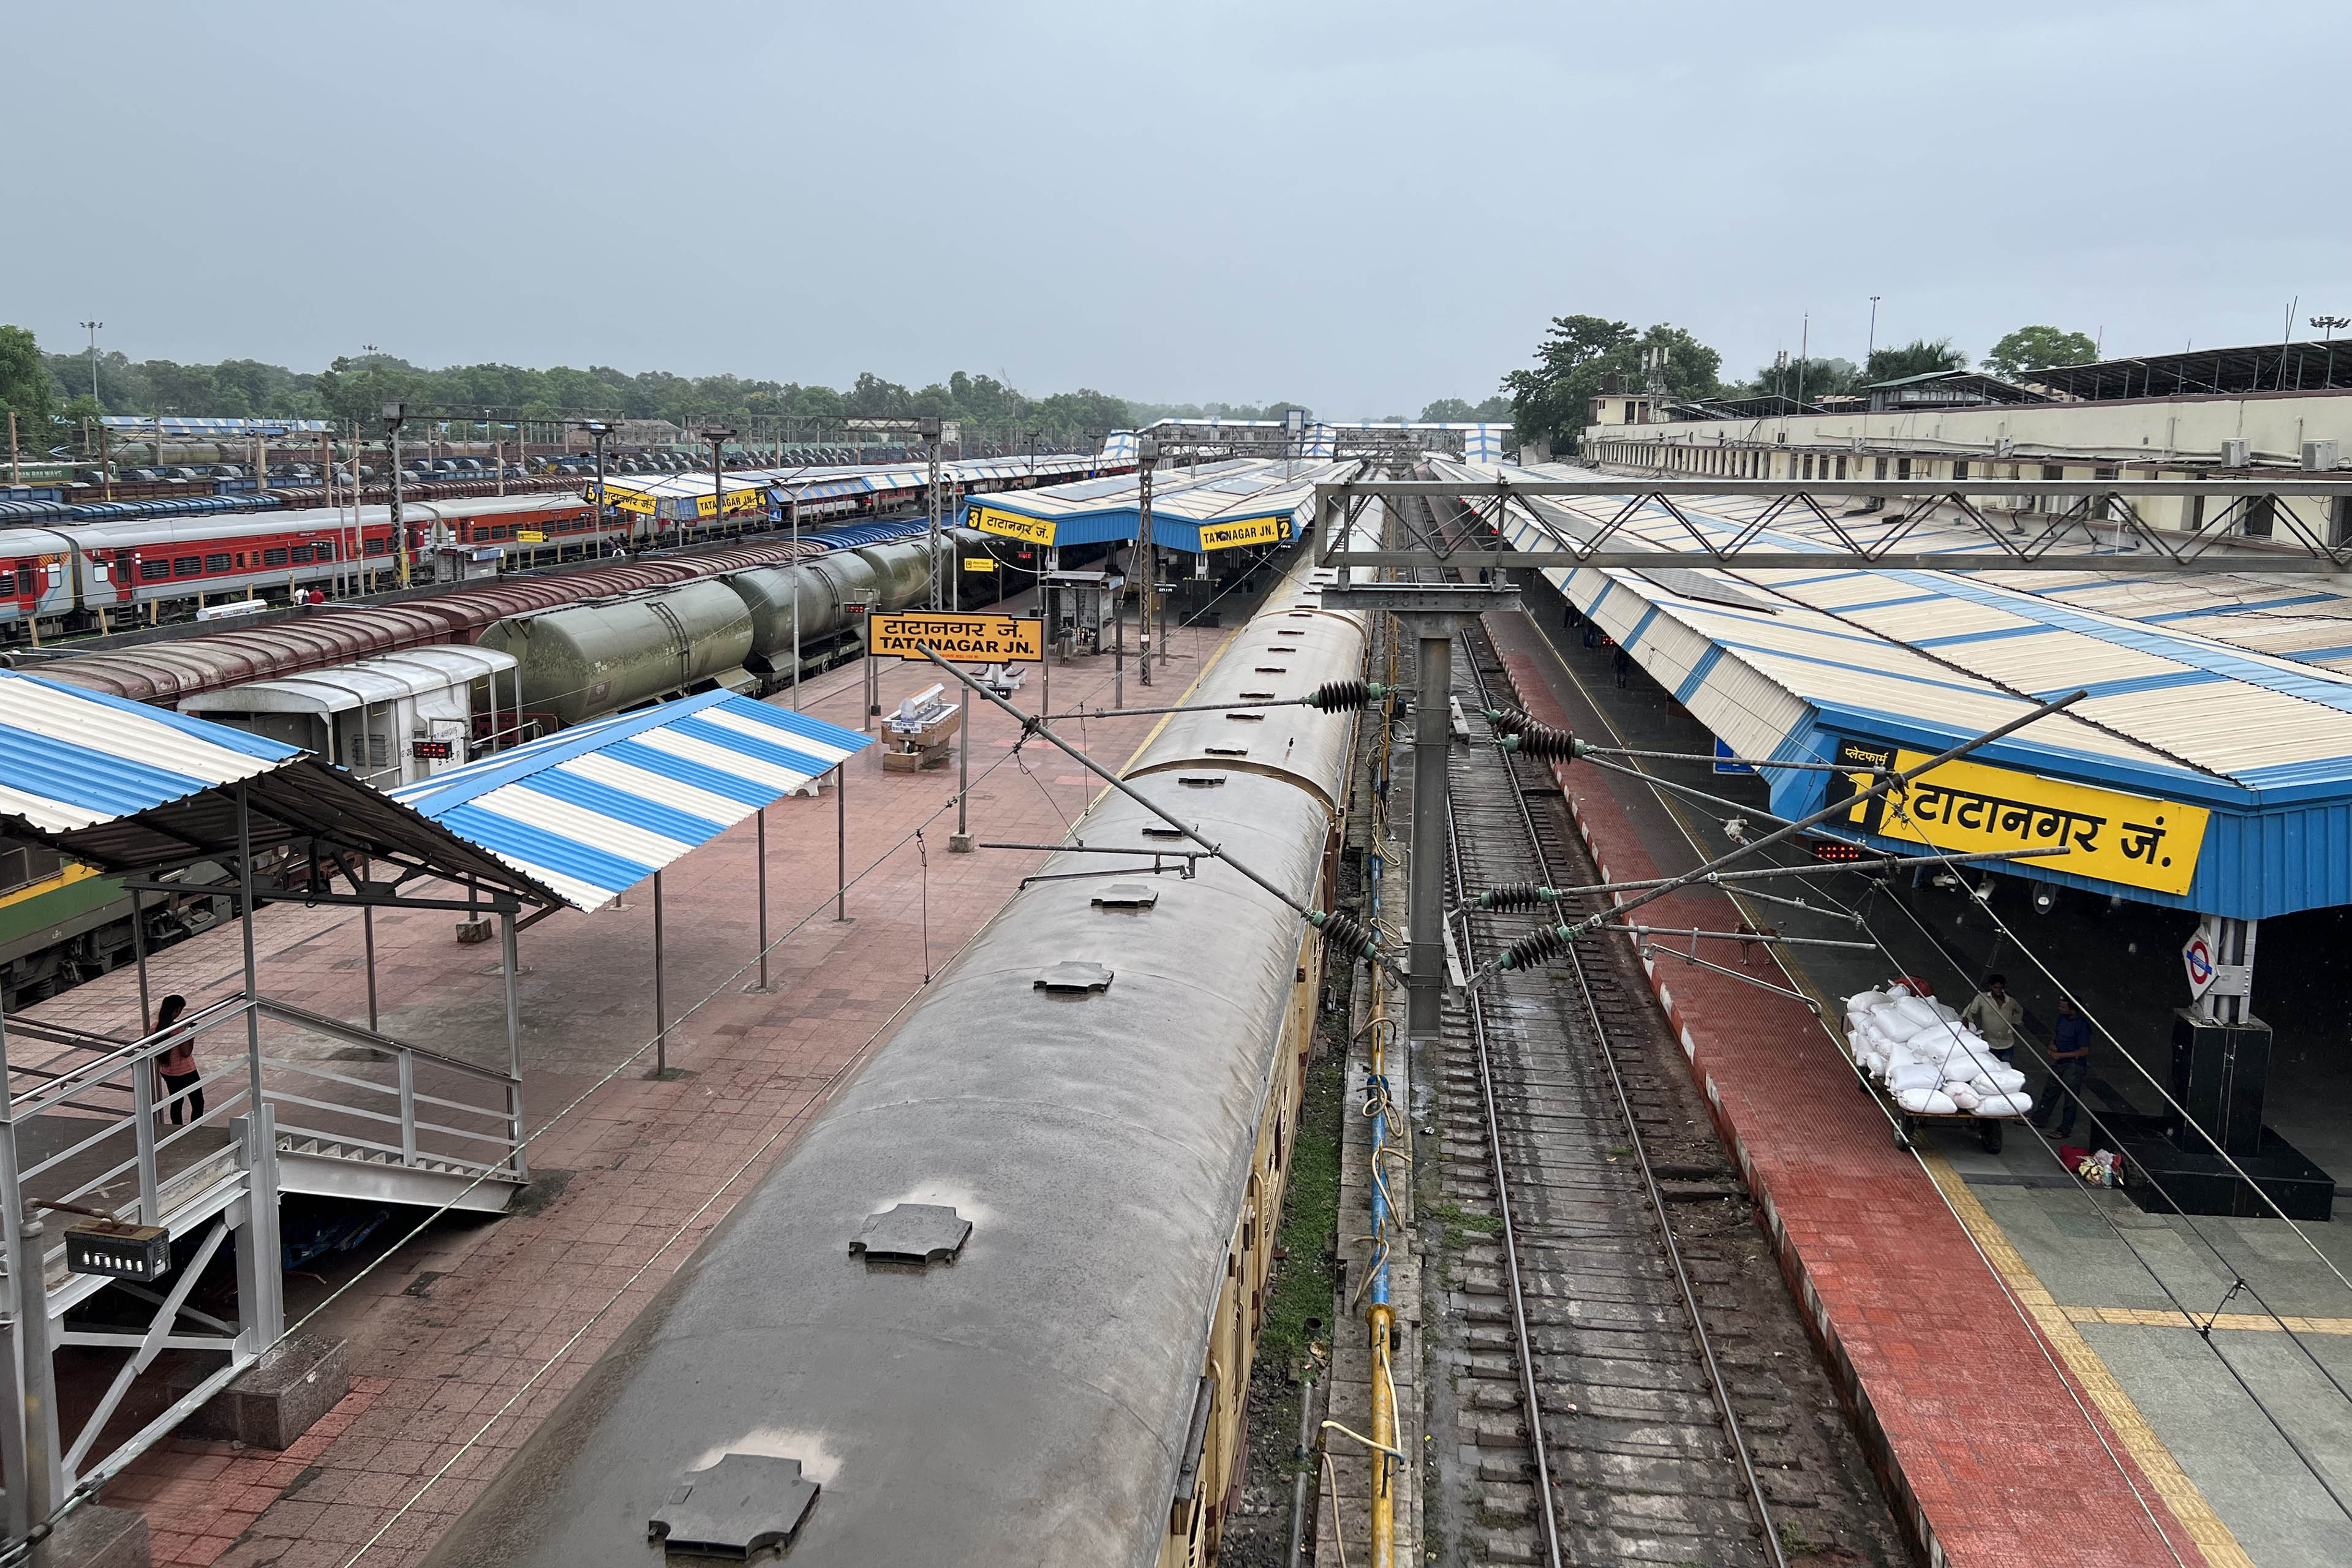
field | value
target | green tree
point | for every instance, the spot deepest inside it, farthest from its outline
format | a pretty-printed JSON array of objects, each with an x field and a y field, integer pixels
[
  {"x": 79, "y": 419},
  {"x": 25, "y": 389},
  {"x": 1495, "y": 410},
  {"x": 1580, "y": 355},
  {"x": 2034, "y": 348},
  {"x": 1819, "y": 377},
  {"x": 1549, "y": 403},
  {"x": 1918, "y": 357},
  {"x": 354, "y": 389}
]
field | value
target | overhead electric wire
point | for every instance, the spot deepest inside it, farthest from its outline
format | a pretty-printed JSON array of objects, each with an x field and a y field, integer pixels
[
  {"x": 2097, "y": 1429},
  {"x": 1717, "y": 1382},
  {"x": 2204, "y": 1329},
  {"x": 1749, "y": 580},
  {"x": 86, "y": 1489},
  {"x": 1892, "y": 782}
]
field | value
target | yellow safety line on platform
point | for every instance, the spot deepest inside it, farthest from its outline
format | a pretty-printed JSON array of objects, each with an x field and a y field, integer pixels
[
  {"x": 2057, "y": 1324},
  {"x": 2180, "y": 1494},
  {"x": 2246, "y": 1323}
]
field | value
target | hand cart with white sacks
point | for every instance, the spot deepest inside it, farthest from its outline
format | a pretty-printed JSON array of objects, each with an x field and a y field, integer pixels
[{"x": 1926, "y": 1065}]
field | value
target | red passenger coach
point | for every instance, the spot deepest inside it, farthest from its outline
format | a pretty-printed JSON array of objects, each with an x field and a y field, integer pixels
[
  {"x": 36, "y": 575},
  {"x": 153, "y": 563}
]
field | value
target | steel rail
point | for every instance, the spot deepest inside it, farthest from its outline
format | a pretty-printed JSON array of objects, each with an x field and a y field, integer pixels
[
  {"x": 1530, "y": 1400},
  {"x": 1714, "y": 1378}
]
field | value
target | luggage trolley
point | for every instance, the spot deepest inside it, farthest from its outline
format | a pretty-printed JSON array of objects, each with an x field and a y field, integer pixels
[{"x": 1907, "y": 1122}]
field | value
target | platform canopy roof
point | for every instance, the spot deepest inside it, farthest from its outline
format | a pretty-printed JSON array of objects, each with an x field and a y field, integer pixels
[
  {"x": 688, "y": 494},
  {"x": 1480, "y": 442},
  {"x": 135, "y": 790},
  {"x": 2226, "y": 696},
  {"x": 2255, "y": 367},
  {"x": 596, "y": 809},
  {"x": 1213, "y": 506}
]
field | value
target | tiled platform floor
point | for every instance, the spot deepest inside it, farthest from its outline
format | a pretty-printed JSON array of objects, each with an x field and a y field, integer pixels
[
  {"x": 1998, "y": 1454},
  {"x": 462, "y": 1340}
]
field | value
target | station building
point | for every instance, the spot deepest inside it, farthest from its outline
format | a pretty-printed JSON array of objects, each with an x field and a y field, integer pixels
[{"x": 2209, "y": 413}]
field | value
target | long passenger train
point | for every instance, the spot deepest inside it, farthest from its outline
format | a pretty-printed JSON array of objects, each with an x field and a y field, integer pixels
[
  {"x": 103, "y": 575},
  {"x": 93, "y": 573},
  {"x": 1000, "y": 1303}
]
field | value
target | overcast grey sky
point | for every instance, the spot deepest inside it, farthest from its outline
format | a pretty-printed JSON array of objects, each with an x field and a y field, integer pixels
[{"x": 1363, "y": 205}]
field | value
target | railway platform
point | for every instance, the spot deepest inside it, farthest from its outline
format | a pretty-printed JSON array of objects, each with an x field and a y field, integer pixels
[
  {"x": 2001, "y": 1437},
  {"x": 464, "y": 1334}
]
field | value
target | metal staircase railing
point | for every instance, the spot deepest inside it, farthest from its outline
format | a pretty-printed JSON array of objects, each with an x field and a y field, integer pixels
[
  {"x": 420, "y": 1110},
  {"x": 95, "y": 1134},
  {"x": 435, "y": 1113}
]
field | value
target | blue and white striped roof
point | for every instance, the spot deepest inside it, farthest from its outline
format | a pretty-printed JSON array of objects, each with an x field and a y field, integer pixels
[
  {"x": 597, "y": 809},
  {"x": 71, "y": 759},
  {"x": 1781, "y": 663}
]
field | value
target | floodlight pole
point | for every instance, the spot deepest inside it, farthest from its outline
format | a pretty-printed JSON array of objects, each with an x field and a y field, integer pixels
[
  {"x": 394, "y": 413},
  {"x": 597, "y": 430},
  {"x": 930, "y": 429},
  {"x": 717, "y": 438},
  {"x": 792, "y": 508}
]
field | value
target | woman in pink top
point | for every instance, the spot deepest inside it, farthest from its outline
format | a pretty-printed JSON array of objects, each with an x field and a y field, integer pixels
[{"x": 177, "y": 1065}]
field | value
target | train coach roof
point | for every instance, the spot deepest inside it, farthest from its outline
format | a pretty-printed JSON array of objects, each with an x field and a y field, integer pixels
[
  {"x": 384, "y": 678},
  {"x": 134, "y": 531}
]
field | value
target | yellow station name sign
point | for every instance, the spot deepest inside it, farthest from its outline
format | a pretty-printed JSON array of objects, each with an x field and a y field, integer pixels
[
  {"x": 1968, "y": 808},
  {"x": 973, "y": 638},
  {"x": 1012, "y": 525},
  {"x": 1246, "y": 530},
  {"x": 736, "y": 500},
  {"x": 531, "y": 536}
]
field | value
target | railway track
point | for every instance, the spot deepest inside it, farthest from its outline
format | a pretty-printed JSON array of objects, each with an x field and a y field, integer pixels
[{"x": 1607, "y": 1287}]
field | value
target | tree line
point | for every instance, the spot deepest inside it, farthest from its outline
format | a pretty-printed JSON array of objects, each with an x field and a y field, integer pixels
[
  {"x": 1581, "y": 356},
  {"x": 52, "y": 394}
]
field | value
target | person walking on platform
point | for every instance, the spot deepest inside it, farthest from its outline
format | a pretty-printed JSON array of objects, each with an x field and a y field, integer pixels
[
  {"x": 2070, "y": 1064},
  {"x": 177, "y": 1064},
  {"x": 1996, "y": 1015}
]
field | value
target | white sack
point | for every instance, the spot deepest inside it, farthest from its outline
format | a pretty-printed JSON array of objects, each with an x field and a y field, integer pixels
[
  {"x": 1915, "y": 1014},
  {"x": 1905, "y": 1077}
]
